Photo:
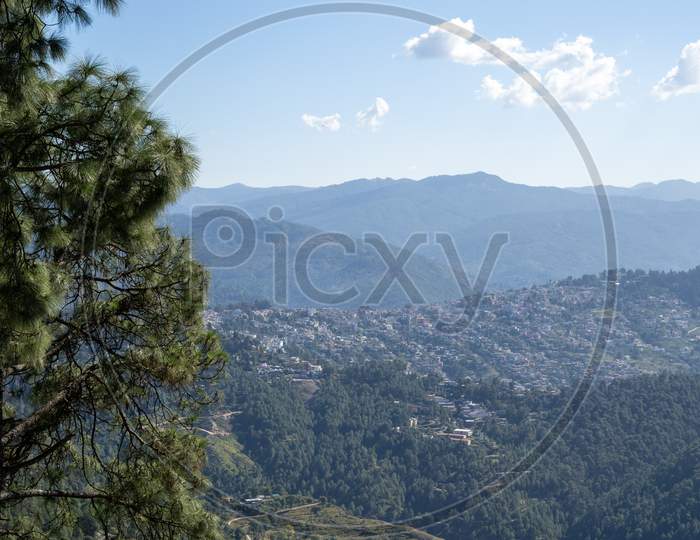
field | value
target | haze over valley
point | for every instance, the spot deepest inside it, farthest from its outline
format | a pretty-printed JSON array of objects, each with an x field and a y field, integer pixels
[{"x": 553, "y": 232}]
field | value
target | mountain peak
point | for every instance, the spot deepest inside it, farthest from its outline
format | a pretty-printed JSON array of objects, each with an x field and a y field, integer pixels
[{"x": 478, "y": 178}]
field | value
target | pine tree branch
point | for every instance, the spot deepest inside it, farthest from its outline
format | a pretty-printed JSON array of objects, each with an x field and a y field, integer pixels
[
  {"x": 49, "y": 409},
  {"x": 51, "y": 494}
]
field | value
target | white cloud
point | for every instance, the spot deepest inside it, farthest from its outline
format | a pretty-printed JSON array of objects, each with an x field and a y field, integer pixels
[
  {"x": 683, "y": 78},
  {"x": 517, "y": 93},
  {"x": 440, "y": 43},
  {"x": 575, "y": 74},
  {"x": 322, "y": 123},
  {"x": 372, "y": 116}
]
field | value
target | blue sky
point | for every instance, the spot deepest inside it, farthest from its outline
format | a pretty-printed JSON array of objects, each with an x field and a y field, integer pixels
[{"x": 449, "y": 110}]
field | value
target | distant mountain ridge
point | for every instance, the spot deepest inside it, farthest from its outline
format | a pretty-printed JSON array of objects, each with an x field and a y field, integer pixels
[
  {"x": 237, "y": 192},
  {"x": 666, "y": 190},
  {"x": 554, "y": 232},
  {"x": 330, "y": 269}
]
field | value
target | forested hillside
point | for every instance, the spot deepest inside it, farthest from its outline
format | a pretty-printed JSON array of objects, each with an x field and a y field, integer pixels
[{"x": 353, "y": 442}]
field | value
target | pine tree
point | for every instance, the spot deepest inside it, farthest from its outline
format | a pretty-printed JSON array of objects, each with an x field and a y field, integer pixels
[{"x": 103, "y": 352}]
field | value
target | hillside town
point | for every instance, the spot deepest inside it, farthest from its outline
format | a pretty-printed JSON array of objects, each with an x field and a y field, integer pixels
[{"x": 539, "y": 338}]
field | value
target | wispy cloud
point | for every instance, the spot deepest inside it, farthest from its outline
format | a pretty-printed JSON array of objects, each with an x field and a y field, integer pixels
[
  {"x": 575, "y": 74},
  {"x": 683, "y": 78},
  {"x": 322, "y": 123},
  {"x": 372, "y": 116}
]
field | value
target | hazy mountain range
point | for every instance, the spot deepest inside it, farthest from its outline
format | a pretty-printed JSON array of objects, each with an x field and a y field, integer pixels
[
  {"x": 329, "y": 269},
  {"x": 554, "y": 232},
  {"x": 668, "y": 190}
]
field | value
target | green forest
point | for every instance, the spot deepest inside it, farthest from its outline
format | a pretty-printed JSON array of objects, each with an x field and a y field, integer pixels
[{"x": 627, "y": 467}]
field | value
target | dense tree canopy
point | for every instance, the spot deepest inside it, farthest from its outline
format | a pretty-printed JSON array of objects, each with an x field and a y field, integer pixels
[
  {"x": 102, "y": 347},
  {"x": 627, "y": 467}
]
